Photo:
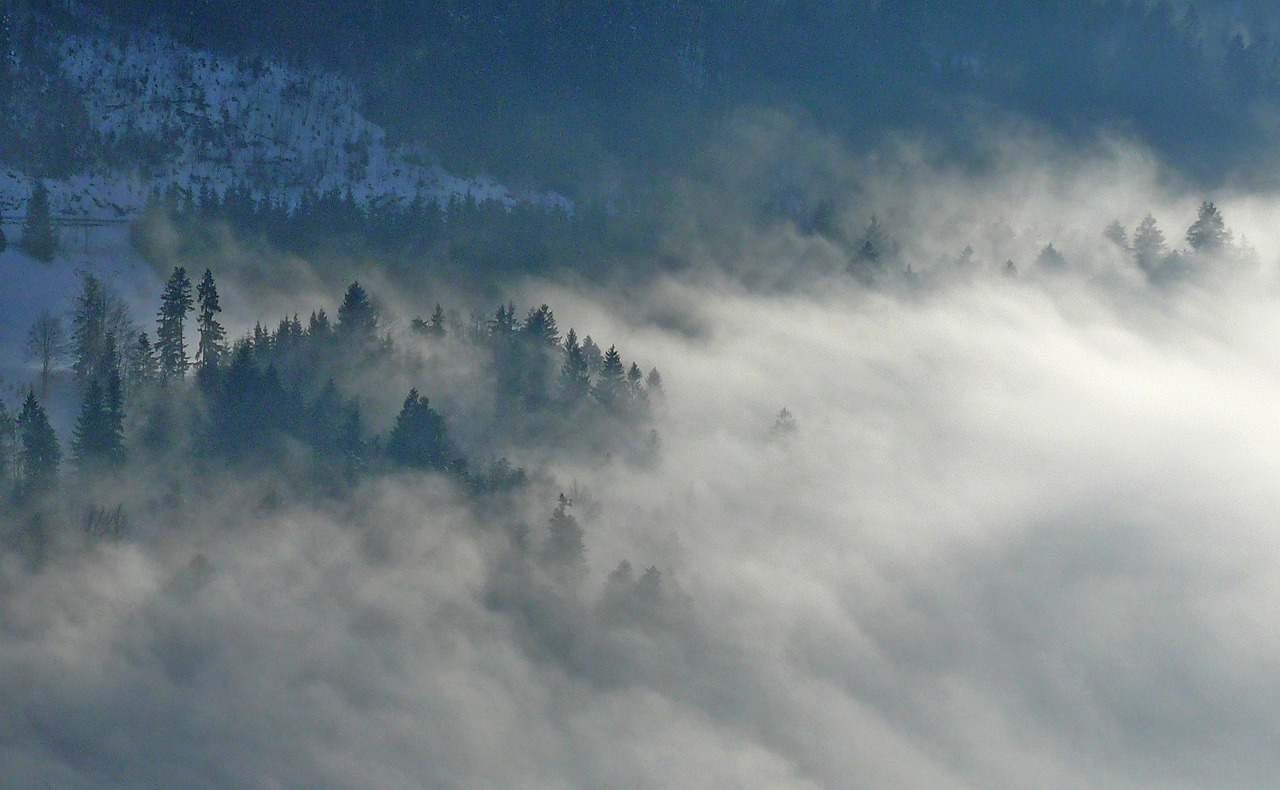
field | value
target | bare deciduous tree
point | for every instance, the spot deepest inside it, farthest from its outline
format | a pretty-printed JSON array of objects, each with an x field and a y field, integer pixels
[{"x": 47, "y": 344}]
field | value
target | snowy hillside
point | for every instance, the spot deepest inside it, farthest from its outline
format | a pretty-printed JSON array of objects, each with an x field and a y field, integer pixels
[{"x": 202, "y": 120}]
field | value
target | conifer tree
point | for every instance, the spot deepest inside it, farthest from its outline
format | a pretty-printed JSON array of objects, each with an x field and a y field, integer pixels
[
  {"x": 1148, "y": 245},
  {"x": 141, "y": 366},
  {"x": 653, "y": 382},
  {"x": 98, "y": 437},
  {"x": 565, "y": 549},
  {"x": 39, "y": 454},
  {"x": 575, "y": 381},
  {"x": 88, "y": 328},
  {"x": 611, "y": 387},
  {"x": 419, "y": 439},
  {"x": 1209, "y": 232},
  {"x": 211, "y": 346},
  {"x": 171, "y": 344},
  {"x": 357, "y": 315},
  {"x": 540, "y": 325},
  {"x": 437, "y": 326},
  {"x": 38, "y": 238},
  {"x": 318, "y": 326}
]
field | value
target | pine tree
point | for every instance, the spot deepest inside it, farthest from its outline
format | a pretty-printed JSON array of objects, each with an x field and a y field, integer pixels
[
  {"x": 141, "y": 366},
  {"x": 575, "y": 381},
  {"x": 1209, "y": 232},
  {"x": 318, "y": 326},
  {"x": 592, "y": 355},
  {"x": 357, "y": 315},
  {"x": 611, "y": 386},
  {"x": 437, "y": 327},
  {"x": 171, "y": 343},
  {"x": 38, "y": 239},
  {"x": 1149, "y": 247},
  {"x": 210, "y": 347},
  {"x": 540, "y": 325},
  {"x": 565, "y": 549},
  {"x": 504, "y": 321},
  {"x": 1050, "y": 258},
  {"x": 634, "y": 380},
  {"x": 39, "y": 454},
  {"x": 87, "y": 436},
  {"x": 419, "y": 439},
  {"x": 88, "y": 328},
  {"x": 653, "y": 382},
  {"x": 1117, "y": 235}
]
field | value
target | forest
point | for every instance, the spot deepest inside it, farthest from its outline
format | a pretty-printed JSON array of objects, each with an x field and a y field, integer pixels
[{"x": 658, "y": 393}]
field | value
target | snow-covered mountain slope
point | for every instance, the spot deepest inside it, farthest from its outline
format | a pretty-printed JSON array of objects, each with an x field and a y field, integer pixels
[{"x": 202, "y": 120}]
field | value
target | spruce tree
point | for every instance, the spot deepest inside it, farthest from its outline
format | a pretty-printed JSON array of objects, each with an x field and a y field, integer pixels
[
  {"x": 419, "y": 439},
  {"x": 575, "y": 380},
  {"x": 357, "y": 315},
  {"x": 38, "y": 239},
  {"x": 87, "y": 436},
  {"x": 437, "y": 326},
  {"x": 1149, "y": 247},
  {"x": 565, "y": 549},
  {"x": 611, "y": 387},
  {"x": 540, "y": 325},
  {"x": 88, "y": 328},
  {"x": 1209, "y": 232},
  {"x": 39, "y": 454},
  {"x": 211, "y": 346},
  {"x": 141, "y": 367},
  {"x": 171, "y": 344}
]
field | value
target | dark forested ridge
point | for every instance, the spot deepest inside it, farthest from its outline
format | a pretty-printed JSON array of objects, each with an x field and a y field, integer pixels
[{"x": 555, "y": 91}]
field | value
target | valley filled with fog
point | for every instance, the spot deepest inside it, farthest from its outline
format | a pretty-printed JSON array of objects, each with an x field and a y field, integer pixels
[{"x": 805, "y": 459}]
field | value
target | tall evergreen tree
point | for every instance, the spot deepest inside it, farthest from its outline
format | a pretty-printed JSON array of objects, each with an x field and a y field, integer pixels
[
  {"x": 98, "y": 437},
  {"x": 171, "y": 343},
  {"x": 39, "y": 454},
  {"x": 357, "y": 315},
  {"x": 211, "y": 345},
  {"x": 437, "y": 327},
  {"x": 611, "y": 386},
  {"x": 565, "y": 549},
  {"x": 88, "y": 328},
  {"x": 575, "y": 381},
  {"x": 419, "y": 438},
  {"x": 1149, "y": 247},
  {"x": 141, "y": 366},
  {"x": 1209, "y": 232},
  {"x": 38, "y": 238},
  {"x": 592, "y": 355},
  {"x": 540, "y": 325}
]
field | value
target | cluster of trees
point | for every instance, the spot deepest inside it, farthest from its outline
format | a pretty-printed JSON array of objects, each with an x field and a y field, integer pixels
[
  {"x": 262, "y": 397},
  {"x": 1207, "y": 236},
  {"x": 478, "y": 235}
]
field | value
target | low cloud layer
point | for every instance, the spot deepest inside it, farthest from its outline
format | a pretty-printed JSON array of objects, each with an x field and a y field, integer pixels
[{"x": 1022, "y": 535}]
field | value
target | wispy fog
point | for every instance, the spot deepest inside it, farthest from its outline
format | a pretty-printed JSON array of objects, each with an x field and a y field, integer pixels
[{"x": 1022, "y": 534}]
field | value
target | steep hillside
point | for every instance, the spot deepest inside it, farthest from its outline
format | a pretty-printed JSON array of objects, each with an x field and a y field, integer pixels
[{"x": 162, "y": 115}]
